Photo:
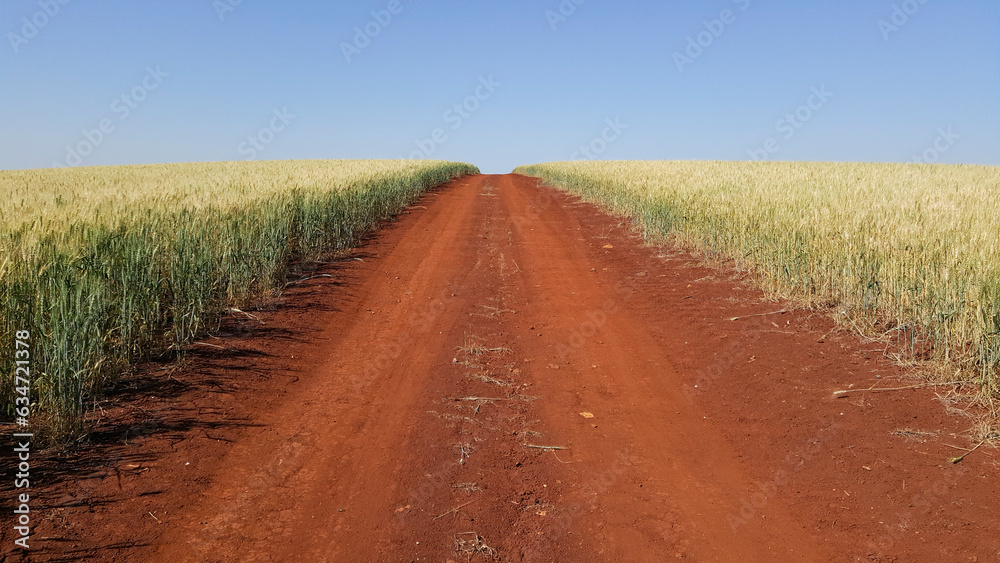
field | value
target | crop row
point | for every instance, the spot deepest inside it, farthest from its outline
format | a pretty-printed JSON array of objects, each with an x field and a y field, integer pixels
[
  {"x": 907, "y": 252},
  {"x": 106, "y": 266}
]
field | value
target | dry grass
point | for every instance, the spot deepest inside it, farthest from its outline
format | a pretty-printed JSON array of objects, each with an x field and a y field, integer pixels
[
  {"x": 473, "y": 349},
  {"x": 487, "y": 378},
  {"x": 493, "y": 311},
  {"x": 912, "y": 435},
  {"x": 467, "y": 487},
  {"x": 986, "y": 429},
  {"x": 470, "y": 544}
]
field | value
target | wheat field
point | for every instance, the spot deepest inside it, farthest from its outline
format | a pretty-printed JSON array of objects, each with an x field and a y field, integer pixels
[
  {"x": 907, "y": 252},
  {"x": 109, "y": 265}
]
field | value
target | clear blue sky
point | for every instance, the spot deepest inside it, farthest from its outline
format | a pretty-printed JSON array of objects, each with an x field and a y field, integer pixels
[{"x": 277, "y": 71}]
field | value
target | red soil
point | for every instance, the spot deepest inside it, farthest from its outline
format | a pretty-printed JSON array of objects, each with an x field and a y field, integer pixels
[{"x": 392, "y": 412}]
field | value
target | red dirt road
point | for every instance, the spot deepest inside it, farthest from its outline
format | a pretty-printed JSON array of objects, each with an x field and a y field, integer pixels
[{"x": 506, "y": 373}]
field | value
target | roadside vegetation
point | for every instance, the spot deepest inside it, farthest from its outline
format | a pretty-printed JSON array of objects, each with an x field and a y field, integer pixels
[
  {"x": 908, "y": 254},
  {"x": 106, "y": 266}
]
